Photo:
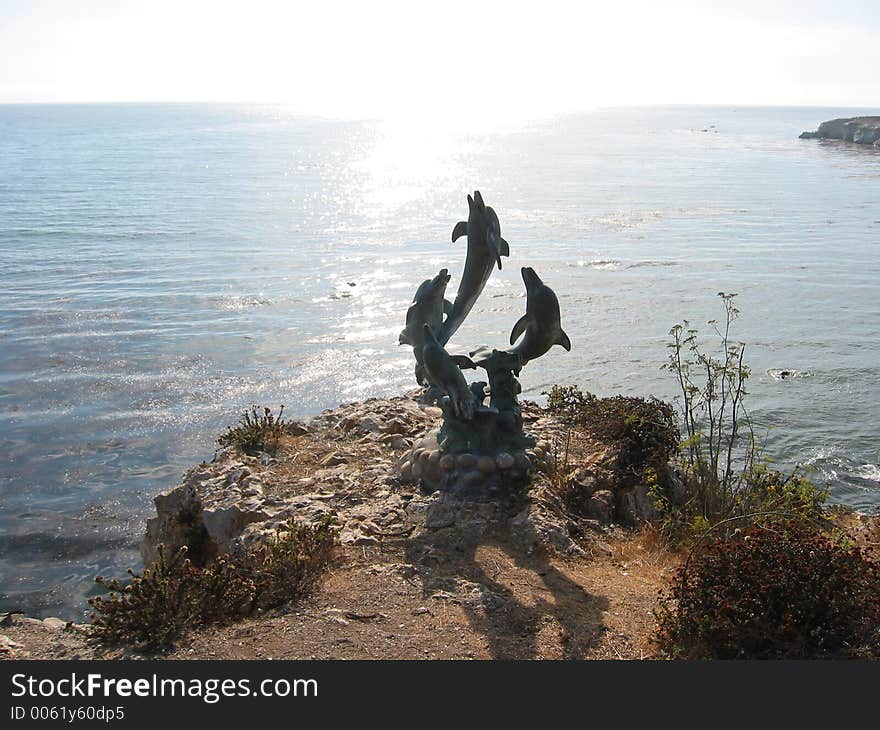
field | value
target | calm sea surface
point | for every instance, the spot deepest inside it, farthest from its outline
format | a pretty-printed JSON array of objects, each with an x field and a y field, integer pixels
[{"x": 165, "y": 266}]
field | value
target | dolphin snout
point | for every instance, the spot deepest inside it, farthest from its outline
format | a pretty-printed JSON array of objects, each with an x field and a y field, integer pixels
[{"x": 529, "y": 276}]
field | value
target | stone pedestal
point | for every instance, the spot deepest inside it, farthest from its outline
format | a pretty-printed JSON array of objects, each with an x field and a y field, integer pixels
[{"x": 470, "y": 474}]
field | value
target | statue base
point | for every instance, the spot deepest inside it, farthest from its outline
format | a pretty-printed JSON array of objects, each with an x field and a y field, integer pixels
[{"x": 470, "y": 474}]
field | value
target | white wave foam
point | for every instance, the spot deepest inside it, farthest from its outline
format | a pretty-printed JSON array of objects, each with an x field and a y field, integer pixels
[
  {"x": 868, "y": 471},
  {"x": 788, "y": 373},
  {"x": 601, "y": 265},
  {"x": 241, "y": 303}
]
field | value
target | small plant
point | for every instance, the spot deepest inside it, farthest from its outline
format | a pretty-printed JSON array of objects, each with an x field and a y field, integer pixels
[
  {"x": 724, "y": 472},
  {"x": 570, "y": 403},
  {"x": 719, "y": 442},
  {"x": 173, "y": 596},
  {"x": 782, "y": 590},
  {"x": 255, "y": 431}
]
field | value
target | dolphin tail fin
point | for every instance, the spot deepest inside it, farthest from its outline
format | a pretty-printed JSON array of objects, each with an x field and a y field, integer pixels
[
  {"x": 463, "y": 362},
  {"x": 563, "y": 340},
  {"x": 459, "y": 230},
  {"x": 519, "y": 328}
]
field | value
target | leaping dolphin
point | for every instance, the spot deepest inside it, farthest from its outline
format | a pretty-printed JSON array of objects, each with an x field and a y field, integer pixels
[
  {"x": 444, "y": 373},
  {"x": 540, "y": 322},
  {"x": 485, "y": 247},
  {"x": 427, "y": 307}
]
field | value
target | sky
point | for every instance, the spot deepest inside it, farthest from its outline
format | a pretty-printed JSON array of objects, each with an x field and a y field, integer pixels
[{"x": 388, "y": 58}]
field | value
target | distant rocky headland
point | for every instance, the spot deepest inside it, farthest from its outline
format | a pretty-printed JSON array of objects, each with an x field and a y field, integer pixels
[{"x": 861, "y": 130}]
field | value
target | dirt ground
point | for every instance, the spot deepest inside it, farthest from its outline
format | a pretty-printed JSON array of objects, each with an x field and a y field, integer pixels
[
  {"x": 462, "y": 602},
  {"x": 496, "y": 605}
]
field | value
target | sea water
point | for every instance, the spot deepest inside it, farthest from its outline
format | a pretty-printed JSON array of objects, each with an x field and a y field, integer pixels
[{"x": 165, "y": 266}]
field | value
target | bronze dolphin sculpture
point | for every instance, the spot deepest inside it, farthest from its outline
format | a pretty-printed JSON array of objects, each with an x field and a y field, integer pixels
[
  {"x": 540, "y": 323},
  {"x": 444, "y": 373},
  {"x": 485, "y": 247},
  {"x": 427, "y": 307}
]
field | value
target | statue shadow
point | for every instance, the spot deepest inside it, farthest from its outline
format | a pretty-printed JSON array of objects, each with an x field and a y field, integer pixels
[{"x": 508, "y": 587}]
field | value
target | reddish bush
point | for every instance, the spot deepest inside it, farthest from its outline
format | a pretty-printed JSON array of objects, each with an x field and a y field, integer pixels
[{"x": 777, "y": 591}]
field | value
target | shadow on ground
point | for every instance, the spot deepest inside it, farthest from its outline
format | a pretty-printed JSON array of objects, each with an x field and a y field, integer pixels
[{"x": 512, "y": 591}]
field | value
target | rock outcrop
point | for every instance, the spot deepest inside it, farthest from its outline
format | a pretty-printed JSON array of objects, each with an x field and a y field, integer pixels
[
  {"x": 358, "y": 461},
  {"x": 860, "y": 130}
]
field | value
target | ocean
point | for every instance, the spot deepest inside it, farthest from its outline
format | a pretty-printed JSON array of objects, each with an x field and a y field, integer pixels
[{"x": 165, "y": 266}]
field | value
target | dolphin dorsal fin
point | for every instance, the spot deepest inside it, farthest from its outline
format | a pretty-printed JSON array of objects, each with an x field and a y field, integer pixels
[
  {"x": 459, "y": 230},
  {"x": 503, "y": 247},
  {"x": 562, "y": 339},
  {"x": 404, "y": 338},
  {"x": 463, "y": 362},
  {"x": 519, "y": 328}
]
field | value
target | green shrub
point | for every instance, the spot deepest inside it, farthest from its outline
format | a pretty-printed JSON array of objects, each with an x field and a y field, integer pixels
[
  {"x": 570, "y": 403},
  {"x": 255, "y": 431},
  {"x": 173, "y": 596},
  {"x": 782, "y": 590},
  {"x": 643, "y": 428},
  {"x": 641, "y": 433}
]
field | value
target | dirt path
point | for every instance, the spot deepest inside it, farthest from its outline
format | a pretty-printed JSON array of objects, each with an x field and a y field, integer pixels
[{"x": 431, "y": 601}]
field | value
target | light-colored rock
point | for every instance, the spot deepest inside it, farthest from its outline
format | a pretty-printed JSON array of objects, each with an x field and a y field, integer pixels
[
  {"x": 447, "y": 463},
  {"x": 297, "y": 429},
  {"x": 8, "y": 646},
  {"x": 370, "y": 423},
  {"x": 209, "y": 511},
  {"x": 398, "y": 443},
  {"x": 505, "y": 460},
  {"x": 394, "y": 426},
  {"x": 334, "y": 459}
]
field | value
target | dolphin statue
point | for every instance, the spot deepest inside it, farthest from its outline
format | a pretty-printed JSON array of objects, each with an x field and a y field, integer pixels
[
  {"x": 540, "y": 323},
  {"x": 444, "y": 373},
  {"x": 427, "y": 307},
  {"x": 485, "y": 247}
]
